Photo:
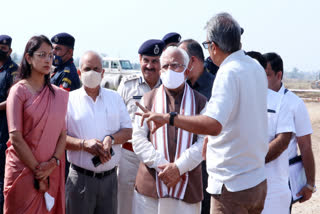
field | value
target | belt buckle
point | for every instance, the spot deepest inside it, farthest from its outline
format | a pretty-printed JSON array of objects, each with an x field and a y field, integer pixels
[{"x": 94, "y": 174}]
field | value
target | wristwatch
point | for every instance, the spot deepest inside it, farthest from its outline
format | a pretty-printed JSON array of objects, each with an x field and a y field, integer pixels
[
  {"x": 57, "y": 160},
  {"x": 312, "y": 188},
  {"x": 112, "y": 139},
  {"x": 172, "y": 115}
]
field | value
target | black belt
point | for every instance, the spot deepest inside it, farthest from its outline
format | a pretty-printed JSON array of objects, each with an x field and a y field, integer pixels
[{"x": 91, "y": 173}]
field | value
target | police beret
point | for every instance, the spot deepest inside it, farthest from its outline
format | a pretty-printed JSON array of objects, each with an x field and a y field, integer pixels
[
  {"x": 63, "y": 39},
  {"x": 152, "y": 47},
  {"x": 5, "y": 40},
  {"x": 171, "y": 37}
]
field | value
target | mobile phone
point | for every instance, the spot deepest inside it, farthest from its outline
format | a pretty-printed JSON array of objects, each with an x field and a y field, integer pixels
[
  {"x": 96, "y": 160},
  {"x": 36, "y": 184}
]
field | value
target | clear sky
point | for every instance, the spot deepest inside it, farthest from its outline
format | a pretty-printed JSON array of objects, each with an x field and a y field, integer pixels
[{"x": 118, "y": 27}]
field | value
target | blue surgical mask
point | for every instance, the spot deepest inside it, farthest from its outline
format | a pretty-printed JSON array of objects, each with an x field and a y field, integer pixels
[{"x": 57, "y": 60}]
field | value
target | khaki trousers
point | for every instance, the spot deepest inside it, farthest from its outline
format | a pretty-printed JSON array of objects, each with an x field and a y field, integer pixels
[{"x": 249, "y": 201}]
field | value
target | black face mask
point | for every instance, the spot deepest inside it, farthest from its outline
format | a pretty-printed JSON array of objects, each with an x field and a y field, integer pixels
[{"x": 3, "y": 55}]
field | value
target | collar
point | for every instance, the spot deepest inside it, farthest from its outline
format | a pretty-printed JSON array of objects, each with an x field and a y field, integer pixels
[
  {"x": 68, "y": 62},
  {"x": 143, "y": 81},
  {"x": 175, "y": 94},
  {"x": 83, "y": 92},
  {"x": 6, "y": 64},
  {"x": 282, "y": 89},
  {"x": 233, "y": 56},
  {"x": 203, "y": 79}
]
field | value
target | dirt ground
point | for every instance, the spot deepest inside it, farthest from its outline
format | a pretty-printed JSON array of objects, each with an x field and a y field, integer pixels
[{"x": 313, "y": 205}]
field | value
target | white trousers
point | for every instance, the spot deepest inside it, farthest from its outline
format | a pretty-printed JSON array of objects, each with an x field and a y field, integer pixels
[
  {"x": 127, "y": 172},
  {"x": 147, "y": 205},
  {"x": 278, "y": 200}
]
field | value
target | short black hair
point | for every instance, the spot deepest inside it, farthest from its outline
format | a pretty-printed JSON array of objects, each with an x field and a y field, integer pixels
[
  {"x": 258, "y": 56},
  {"x": 275, "y": 61},
  {"x": 193, "y": 49}
]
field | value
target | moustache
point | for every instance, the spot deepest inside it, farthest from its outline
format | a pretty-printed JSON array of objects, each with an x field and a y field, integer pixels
[{"x": 152, "y": 69}]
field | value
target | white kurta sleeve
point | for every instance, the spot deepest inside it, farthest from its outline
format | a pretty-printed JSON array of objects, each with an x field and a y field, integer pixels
[
  {"x": 143, "y": 148},
  {"x": 192, "y": 156}
]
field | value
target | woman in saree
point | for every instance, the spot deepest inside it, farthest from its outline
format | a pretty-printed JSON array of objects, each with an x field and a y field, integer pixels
[{"x": 34, "y": 170}]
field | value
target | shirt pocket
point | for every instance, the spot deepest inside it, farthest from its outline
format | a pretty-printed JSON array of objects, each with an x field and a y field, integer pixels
[
  {"x": 112, "y": 120},
  {"x": 272, "y": 123}
]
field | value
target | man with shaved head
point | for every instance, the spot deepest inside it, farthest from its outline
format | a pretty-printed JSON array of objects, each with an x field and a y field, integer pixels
[
  {"x": 169, "y": 175},
  {"x": 97, "y": 123}
]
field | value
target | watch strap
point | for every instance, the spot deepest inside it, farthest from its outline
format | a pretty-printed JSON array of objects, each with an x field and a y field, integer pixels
[
  {"x": 172, "y": 116},
  {"x": 312, "y": 188},
  {"x": 112, "y": 139},
  {"x": 57, "y": 160}
]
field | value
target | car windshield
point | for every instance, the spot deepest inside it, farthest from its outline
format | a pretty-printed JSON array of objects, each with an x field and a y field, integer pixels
[{"x": 125, "y": 64}]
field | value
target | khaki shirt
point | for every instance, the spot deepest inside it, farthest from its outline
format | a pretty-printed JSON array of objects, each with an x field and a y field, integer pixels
[{"x": 131, "y": 89}]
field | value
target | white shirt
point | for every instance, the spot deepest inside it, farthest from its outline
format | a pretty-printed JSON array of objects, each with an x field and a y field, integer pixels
[
  {"x": 146, "y": 152},
  {"x": 301, "y": 119},
  {"x": 280, "y": 120},
  {"x": 87, "y": 119},
  {"x": 236, "y": 157}
]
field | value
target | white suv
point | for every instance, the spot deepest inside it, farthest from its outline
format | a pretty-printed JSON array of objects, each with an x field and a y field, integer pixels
[{"x": 115, "y": 69}]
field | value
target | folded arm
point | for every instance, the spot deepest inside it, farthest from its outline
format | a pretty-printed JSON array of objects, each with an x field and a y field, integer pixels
[{"x": 277, "y": 146}]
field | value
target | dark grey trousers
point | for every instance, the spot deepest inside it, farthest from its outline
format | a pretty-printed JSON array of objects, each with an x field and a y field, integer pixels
[{"x": 90, "y": 195}]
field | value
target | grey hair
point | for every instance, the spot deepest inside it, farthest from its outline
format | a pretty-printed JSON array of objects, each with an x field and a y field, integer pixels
[
  {"x": 172, "y": 49},
  {"x": 224, "y": 31},
  {"x": 90, "y": 52}
]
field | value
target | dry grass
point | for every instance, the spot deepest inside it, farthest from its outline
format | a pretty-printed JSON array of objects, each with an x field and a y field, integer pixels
[
  {"x": 297, "y": 84},
  {"x": 314, "y": 112}
]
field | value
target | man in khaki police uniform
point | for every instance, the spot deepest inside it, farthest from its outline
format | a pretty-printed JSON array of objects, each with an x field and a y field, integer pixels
[{"x": 132, "y": 88}]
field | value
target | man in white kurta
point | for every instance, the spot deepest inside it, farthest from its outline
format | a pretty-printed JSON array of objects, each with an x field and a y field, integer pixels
[{"x": 169, "y": 177}]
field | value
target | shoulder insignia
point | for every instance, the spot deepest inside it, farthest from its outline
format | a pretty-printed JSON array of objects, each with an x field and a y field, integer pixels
[
  {"x": 130, "y": 77},
  {"x": 11, "y": 66},
  {"x": 67, "y": 80},
  {"x": 66, "y": 70},
  {"x": 14, "y": 73}
]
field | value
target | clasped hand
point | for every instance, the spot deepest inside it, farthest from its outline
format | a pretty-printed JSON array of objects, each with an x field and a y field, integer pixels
[
  {"x": 170, "y": 174},
  {"x": 98, "y": 148}
]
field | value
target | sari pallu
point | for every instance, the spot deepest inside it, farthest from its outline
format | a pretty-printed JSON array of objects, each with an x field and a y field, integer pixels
[{"x": 42, "y": 120}]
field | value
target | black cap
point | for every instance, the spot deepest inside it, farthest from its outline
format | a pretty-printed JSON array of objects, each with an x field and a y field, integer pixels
[
  {"x": 63, "y": 39},
  {"x": 152, "y": 47},
  {"x": 5, "y": 40},
  {"x": 171, "y": 38},
  {"x": 241, "y": 30}
]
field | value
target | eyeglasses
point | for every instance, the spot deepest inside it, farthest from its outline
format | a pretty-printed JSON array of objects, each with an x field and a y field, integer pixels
[
  {"x": 173, "y": 66},
  {"x": 206, "y": 44},
  {"x": 44, "y": 55}
]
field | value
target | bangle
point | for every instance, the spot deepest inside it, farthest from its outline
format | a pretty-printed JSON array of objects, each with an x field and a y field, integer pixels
[{"x": 82, "y": 144}]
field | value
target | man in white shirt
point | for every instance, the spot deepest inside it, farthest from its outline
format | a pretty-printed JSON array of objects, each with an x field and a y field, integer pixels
[
  {"x": 280, "y": 129},
  {"x": 169, "y": 178},
  {"x": 303, "y": 129},
  {"x": 235, "y": 119},
  {"x": 97, "y": 123}
]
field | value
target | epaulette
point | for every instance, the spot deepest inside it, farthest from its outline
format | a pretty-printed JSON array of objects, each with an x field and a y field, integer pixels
[
  {"x": 130, "y": 77},
  {"x": 66, "y": 70}
]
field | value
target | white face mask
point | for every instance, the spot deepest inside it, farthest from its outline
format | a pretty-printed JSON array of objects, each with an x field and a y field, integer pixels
[
  {"x": 171, "y": 79},
  {"x": 91, "y": 79}
]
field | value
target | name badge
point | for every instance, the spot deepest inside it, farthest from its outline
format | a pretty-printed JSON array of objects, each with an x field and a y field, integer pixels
[
  {"x": 137, "y": 97},
  {"x": 271, "y": 111}
]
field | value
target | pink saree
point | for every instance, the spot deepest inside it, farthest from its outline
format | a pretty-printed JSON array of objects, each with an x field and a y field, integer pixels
[{"x": 40, "y": 118}]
